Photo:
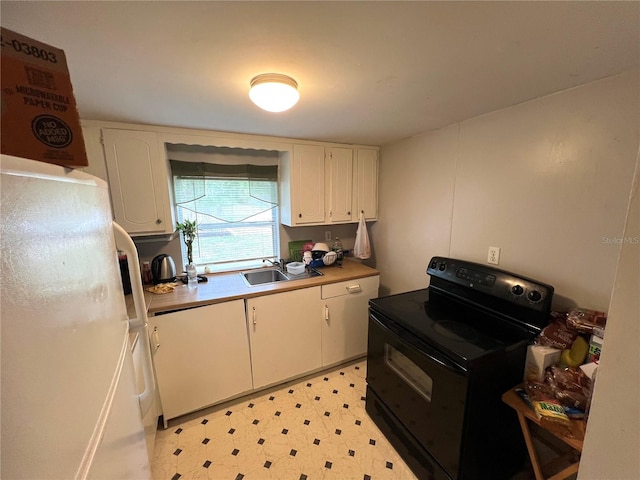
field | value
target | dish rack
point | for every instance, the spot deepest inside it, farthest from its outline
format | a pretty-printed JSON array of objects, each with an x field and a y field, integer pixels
[
  {"x": 295, "y": 249},
  {"x": 316, "y": 263}
]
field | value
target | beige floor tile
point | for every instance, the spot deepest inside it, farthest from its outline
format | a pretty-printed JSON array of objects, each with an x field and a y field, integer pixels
[{"x": 315, "y": 427}]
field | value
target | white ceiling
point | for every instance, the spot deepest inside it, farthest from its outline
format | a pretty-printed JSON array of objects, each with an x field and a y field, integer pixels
[{"x": 368, "y": 72}]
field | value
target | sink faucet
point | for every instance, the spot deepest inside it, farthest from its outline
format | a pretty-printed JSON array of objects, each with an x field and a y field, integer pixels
[{"x": 275, "y": 263}]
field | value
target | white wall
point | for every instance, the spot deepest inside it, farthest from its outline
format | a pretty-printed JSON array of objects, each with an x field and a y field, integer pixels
[
  {"x": 612, "y": 443},
  {"x": 546, "y": 181},
  {"x": 549, "y": 183},
  {"x": 415, "y": 205}
]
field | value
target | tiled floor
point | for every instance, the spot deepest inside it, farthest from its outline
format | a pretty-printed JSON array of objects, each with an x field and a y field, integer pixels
[{"x": 316, "y": 428}]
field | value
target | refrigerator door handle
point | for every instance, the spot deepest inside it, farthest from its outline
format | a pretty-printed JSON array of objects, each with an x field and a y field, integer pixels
[
  {"x": 147, "y": 396},
  {"x": 139, "y": 324},
  {"x": 124, "y": 243}
]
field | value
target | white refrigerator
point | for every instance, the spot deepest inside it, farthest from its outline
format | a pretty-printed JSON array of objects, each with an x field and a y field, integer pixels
[{"x": 70, "y": 404}]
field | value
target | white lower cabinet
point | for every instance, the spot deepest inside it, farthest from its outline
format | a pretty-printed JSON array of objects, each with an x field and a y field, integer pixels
[
  {"x": 284, "y": 333},
  {"x": 206, "y": 355},
  {"x": 345, "y": 318},
  {"x": 202, "y": 356}
]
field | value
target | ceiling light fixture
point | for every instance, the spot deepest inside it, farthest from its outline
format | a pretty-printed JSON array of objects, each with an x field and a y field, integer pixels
[{"x": 274, "y": 92}]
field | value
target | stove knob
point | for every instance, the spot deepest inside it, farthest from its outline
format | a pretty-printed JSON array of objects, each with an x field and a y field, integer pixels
[
  {"x": 433, "y": 265},
  {"x": 517, "y": 290},
  {"x": 442, "y": 266},
  {"x": 534, "y": 296}
]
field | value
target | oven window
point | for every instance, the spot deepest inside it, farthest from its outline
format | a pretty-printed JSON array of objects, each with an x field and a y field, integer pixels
[{"x": 413, "y": 375}]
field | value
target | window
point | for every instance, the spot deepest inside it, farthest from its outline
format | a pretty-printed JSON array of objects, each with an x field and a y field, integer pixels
[{"x": 236, "y": 208}]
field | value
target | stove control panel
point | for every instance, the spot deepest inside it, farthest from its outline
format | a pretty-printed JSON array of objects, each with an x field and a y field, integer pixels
[{"x": 507, "y": 286}]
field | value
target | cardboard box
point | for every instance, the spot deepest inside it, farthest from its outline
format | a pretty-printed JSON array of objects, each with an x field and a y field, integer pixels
[
  {"x": 39, "y": 116},
  {"x": 588, "y": 369},
  {"x": 595, "y": 345},
  {"x": 539, "y": 357}
]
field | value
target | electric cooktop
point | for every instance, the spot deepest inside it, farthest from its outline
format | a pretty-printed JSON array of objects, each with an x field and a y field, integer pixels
[{"x": 470, "y": 310}]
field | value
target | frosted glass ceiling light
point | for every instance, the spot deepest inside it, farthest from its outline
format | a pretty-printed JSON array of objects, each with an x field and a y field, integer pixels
[{"x": 274, "y": 92}]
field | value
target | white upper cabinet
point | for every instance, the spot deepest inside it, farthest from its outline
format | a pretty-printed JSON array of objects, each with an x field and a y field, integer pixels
[
  {"x": 307, "y": 185},
  {"x": 323, "y": 185},
  {"x": 319, "y": 184},
  {"x": 339, "y": 188},
  {"x": 138, "y": 181},
  {"x": 366, "y": 184}
]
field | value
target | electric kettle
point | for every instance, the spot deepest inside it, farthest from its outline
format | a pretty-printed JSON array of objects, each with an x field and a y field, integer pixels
[{"x": 163, "y": 269}]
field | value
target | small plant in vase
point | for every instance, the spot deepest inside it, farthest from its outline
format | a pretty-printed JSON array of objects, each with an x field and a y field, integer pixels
[{"x": 189, "y": 231}]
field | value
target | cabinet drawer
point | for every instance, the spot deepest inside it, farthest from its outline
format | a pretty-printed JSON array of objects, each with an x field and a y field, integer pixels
[{"x": 350, "y": 286}]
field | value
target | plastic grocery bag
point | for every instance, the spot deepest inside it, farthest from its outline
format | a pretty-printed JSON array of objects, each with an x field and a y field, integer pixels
[{"x": 362, "y": 248}]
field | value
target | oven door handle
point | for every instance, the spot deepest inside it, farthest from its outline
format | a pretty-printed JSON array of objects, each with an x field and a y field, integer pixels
[{"x": 391, "y": 327}]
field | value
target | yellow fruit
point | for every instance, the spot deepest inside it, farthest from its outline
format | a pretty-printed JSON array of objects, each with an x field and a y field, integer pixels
[{"x": 575, "y": 356}]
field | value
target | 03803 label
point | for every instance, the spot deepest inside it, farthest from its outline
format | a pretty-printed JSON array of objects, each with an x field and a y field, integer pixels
[
  {"x": 51, "y": 131},
  {"x": 31, "y": 52},
  {"x": 28, "y": 49}
]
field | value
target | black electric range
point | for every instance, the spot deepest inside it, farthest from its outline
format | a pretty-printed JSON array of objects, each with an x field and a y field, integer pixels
[{"x": 438, "y": 361}]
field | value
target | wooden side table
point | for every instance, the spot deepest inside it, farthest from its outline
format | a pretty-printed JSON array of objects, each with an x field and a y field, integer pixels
[{"x": 525, "y": 415}]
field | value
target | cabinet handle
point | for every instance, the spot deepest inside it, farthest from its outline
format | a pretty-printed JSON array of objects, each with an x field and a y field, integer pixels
[
  {"x": 326, "y": 313},
  {"x": 299, "y": 215},
  {"x": 155, "y": 338},
  {"x": 354, "y": 288},
  {"x": 158, "y": 221},
  {"x": 348, "y": 213},
  {"x": 254, "y": 315}
]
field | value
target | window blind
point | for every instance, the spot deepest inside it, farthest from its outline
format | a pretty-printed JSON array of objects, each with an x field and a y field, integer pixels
[{"x": 235, "y": 207}]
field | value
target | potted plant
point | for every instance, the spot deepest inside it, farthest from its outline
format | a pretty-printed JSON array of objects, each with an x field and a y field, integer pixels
[{"x": 189, "y": 231}]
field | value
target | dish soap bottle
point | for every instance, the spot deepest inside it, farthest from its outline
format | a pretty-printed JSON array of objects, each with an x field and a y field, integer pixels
[{"x": 337, "y": 247}]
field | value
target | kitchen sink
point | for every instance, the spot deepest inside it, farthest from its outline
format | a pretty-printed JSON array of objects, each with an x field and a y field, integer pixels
[
  {"x": 272, "y": 275},
  {"x": 257, "y": 277}
]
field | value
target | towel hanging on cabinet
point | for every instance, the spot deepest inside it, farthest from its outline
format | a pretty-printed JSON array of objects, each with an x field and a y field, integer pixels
[{"x": 362, "y": 248}]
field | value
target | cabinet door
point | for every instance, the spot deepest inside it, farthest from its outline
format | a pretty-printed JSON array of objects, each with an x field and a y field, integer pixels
[
  {"x": 95, "y": 152},
  {"x": 202, "y": 358},
  {"x": 345, "y": 324},
  {"x": 339, "y": 169},
  {"x": 366, "y": 190},
  {"x": 284, "y": 332},
  {"x": 138, "y": 181},
  {"x": 307, "y": 184}
]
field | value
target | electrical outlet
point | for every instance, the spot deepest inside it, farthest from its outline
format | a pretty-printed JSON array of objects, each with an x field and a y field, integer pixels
[
  {"x": 494, "y": 255},
  {"x": 327, "y": 235}
]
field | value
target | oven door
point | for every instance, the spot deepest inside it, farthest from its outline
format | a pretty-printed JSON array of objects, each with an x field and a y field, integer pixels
[{"x": 420, "y": 387}]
